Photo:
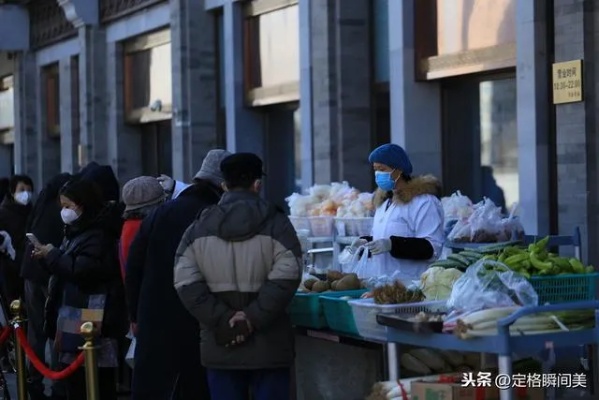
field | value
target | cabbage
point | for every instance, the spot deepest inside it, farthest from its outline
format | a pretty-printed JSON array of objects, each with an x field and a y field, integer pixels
[{"x": 436, "y": 283}]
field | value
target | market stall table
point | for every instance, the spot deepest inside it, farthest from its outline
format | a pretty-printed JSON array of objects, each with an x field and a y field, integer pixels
[{"x": 504, "y": 344}]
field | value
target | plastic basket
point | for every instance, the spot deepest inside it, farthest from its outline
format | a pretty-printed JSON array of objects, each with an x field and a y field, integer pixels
[
  {"x": 306, "y": 309},
  {"x": 321, "y": 226},
  {"x": 557, "y": 289},
  {"x": 338, "y": 312},
  {"x": 300, "y": 223},
  {"x": 365, "y": 312},
  {"x": 354, "y": 226}
]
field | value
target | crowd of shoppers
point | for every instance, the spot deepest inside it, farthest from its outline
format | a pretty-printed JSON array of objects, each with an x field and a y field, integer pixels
[{"x": 200, "y": 273}]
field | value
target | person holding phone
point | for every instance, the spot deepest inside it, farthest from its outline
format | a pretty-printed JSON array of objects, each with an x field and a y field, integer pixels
[
  {"x": 85, "y": 279},
  {"x": 14, "y": 212}
]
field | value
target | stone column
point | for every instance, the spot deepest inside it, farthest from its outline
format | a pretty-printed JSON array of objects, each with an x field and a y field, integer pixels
[
  {"x": 576, "y": 126},
  {"x": 123, "y": 140},
  {"x": 26, "y": 80},
  {"x": 305, "y": 16},
  {"x": 93, "y": 94},
  {"x": 416, "y": 106},
  {"x": 341, "y": 87},
  {"x": 194, "y": 130},
  {"x": 245, "y": 130},
  {"x": 533, "y": 115},
  {"x": 68, "y": 141}
]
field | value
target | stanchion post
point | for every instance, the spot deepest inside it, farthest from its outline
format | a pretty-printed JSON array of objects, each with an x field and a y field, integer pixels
[
  {"x": 89, "y": 333},
  {"x": 16, "y": 309}
]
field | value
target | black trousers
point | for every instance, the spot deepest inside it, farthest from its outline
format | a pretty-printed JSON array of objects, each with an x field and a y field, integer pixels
[{"x": 77, "y": 390}]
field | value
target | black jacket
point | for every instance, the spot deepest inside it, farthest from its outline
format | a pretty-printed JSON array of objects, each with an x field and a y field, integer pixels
[
  {"x": 154, "y": 304},
  {"x": 13, "y": 220},
  {"x": 45, "y": 223},
  {"x": 87, "y": 264}
]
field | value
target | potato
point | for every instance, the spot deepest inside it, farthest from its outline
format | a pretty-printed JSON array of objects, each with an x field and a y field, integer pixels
[
  {"x": 334, "y": 276},
  {"x": 348, "y": 282},
  {"x": 334, "y": 285},
  {"x": 320, "y": 286},
  {"x": 308, "y": 283}
]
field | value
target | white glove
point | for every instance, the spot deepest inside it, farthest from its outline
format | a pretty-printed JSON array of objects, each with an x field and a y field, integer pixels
[
  {"x": 167, "y": 183},
  {"x": 379, "y": 246},
  {"x": 6, "y": 246},
  {"x": 356, "y": 244}
]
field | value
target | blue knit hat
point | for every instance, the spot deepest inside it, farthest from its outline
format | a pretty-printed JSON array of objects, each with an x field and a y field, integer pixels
[{"x": 392, "y": 156}]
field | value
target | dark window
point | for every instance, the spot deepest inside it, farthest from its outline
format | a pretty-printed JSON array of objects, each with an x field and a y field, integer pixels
[{"x": 52, "y": 99}]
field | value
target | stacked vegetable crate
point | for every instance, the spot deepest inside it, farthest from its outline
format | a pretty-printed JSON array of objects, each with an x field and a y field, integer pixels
[{"x": 308, "y": 310}]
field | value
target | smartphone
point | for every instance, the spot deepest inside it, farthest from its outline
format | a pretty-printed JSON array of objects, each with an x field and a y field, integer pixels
[{"x": 34, "y": 241}]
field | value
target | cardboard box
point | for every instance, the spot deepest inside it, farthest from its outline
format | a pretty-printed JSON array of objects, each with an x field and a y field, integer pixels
[{"x": 423, "y": 390}]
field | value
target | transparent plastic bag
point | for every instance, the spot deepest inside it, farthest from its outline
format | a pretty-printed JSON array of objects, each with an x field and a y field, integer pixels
[
  {"x": 486, "y": 223},
  {"x": 491, "y": 284},
  {"x": 456, "y": 206},
  {"x": 461, "y": 232},
  {"x": 360, "y": 264}
]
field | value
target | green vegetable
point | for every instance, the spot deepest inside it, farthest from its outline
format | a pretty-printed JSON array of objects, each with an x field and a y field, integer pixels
[{"x": 459, "y": 258}]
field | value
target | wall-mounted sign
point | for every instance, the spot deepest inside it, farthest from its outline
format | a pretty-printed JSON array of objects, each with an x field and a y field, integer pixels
[{"x": 567, "y": 82}]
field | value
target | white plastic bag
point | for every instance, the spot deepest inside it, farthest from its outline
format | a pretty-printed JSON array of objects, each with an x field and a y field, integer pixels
[
  {"x": 130, "y": 357},
  {"x": 361, "y": 264}
]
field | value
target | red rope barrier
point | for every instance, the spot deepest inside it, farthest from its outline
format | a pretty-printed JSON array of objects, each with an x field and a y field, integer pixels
[
  {"x": 6, "y": 331},
  {"x": 40, "y": 366}
]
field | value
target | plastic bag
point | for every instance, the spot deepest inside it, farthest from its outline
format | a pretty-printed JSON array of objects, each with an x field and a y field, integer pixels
[
  {"x": 130, "y": 357},
  {"x": 485, "y": 223},
  {"x": 375, "y": 281},
  {"x": 491, "y": 284},
  {"x": 461, "y": 232},
  {"x": 361, "y": 264},
  {"x": 456, "y": 206}
]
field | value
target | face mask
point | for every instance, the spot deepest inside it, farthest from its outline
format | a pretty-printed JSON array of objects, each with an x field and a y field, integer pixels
[
  {"x": 23, "y": 198},
  {"x": 384, "y": 180},
  {"x": 68, "y": 216}
]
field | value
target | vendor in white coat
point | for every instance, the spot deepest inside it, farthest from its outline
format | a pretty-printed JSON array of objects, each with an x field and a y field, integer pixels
[{"x": 407, "y": 233}]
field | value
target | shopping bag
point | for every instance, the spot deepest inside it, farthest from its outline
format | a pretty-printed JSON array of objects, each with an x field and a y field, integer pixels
[
  {"x": 362, "y": 264},
  {"x": 130, "y": 357}
]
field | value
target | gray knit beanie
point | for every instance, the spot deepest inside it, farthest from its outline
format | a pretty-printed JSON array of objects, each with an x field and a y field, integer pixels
[{"x": 210, "y": 169}]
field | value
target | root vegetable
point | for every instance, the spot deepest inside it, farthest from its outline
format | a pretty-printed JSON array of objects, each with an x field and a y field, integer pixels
[{"x": 320, "y": 286}]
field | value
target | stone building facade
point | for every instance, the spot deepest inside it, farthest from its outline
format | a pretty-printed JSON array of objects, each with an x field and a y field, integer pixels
[{"x": 149, "y": 86}]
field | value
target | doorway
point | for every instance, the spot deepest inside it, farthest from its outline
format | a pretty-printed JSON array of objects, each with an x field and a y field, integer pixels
[
  {"x": 156, "y": 148},
  {"x": 480, "y": 139}
]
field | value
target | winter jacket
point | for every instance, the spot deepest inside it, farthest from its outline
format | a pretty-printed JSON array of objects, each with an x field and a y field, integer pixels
[
  {"x": 85, "y": 270},
  {"x": 241, "y": 255},
  {"x": 45, "y": 223},
  {"x": 130, "y": 229},
  {"x": 13, "y": 220},
  {"x": 155, "y": 307}
]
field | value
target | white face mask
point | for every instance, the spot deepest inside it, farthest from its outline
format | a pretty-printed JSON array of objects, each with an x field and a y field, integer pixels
[
  {"x": 68, "y": 216},
  {"x": 23, "y": 198}
]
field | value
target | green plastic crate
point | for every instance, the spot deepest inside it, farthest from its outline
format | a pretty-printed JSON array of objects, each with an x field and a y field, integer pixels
[
  {"x": 338, "y": 312},
  {"x": 306, "y": 309},
  {"x": 555, "y": 289}
]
